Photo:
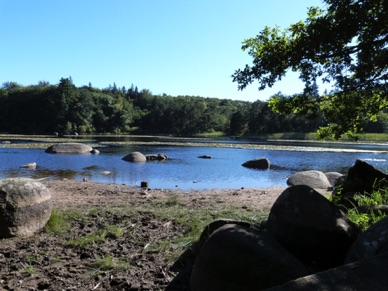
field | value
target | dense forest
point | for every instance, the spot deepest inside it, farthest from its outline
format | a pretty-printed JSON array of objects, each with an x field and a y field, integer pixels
[{"x": 65, "y": 109}]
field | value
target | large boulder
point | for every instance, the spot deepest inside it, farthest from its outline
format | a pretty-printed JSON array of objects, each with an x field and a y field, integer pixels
[
  {"x": 311, "y": 227},
  {"x": 239, "y": 258},
  {"x": 259, "y": 164},
  {"x": 368, "y": 274},
  {"x": 361, "y": 178},
  {"x": 69, "y": 148},
  {"x": 314, "y": 179},
  {"x": 216, "y": 224},
  {"x": 372, "y": 242},
  {"x": 25, "y": 207},
  {"x": 135, "y": 157}
]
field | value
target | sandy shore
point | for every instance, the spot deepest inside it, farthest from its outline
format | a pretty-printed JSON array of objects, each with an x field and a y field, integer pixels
[{"x": 69, "y": 194}]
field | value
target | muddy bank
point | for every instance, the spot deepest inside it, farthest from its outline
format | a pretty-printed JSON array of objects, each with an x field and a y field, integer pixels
[{"x": 117, "y": 237}]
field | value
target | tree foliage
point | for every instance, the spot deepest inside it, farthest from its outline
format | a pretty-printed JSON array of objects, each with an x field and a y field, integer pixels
[
  {"x": 344, "y": 44},
  {"x": 64, "y": 108}
]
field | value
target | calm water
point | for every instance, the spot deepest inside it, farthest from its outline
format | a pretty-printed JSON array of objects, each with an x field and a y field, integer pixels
[{"x": 184, "y": 170}]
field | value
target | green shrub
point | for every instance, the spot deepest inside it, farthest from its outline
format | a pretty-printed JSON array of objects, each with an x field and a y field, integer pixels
[{"x": 365, "y": 219}]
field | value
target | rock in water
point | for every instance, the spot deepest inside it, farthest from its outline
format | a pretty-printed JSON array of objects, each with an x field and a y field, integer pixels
[
  {"x": 25, "y": 207},
  {"x": 259, "y": 164},
  {"x": 69, "y": 148},
  {"x": 29, "y": 166},
  {"x": 135, "y": 157}
]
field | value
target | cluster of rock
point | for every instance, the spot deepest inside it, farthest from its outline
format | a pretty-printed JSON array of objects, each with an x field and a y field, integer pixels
[
  {"x": 313, "y": 178},
  {"x": 65, "y": 148},
  {"x": 79, "y": 148},
  {"x": 307, "y": 243},
  {"x": 138, "y": 157}
]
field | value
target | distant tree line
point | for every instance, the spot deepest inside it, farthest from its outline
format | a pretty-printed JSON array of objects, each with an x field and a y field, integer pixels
[{"x": 65, "y": 108}]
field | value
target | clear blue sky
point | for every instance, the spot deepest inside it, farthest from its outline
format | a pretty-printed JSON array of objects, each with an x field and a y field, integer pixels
[{"x": 177, "y": 47}]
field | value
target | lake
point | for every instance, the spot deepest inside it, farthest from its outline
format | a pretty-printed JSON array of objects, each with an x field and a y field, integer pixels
[{"x": 184, "y": 170}]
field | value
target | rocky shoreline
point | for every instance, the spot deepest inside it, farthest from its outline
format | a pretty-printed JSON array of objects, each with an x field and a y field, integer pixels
[{"x": 119, "y": 237}]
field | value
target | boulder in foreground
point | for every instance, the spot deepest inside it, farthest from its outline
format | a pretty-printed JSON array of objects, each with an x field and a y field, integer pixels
[
  {"x": 25, "y": 207},
  {"x": 311, "y": 227},
  {"x": 69, "y": 148},
  {"x": 372, "y": 242},
  {"x": 368, "y": 274},
  {"x": 240, "y": 258}
]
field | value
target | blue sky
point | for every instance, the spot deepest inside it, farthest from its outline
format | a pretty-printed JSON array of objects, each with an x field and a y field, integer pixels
[{"x": 175, "y": 47}]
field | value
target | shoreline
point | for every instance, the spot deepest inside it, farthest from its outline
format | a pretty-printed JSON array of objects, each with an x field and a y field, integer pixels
[
  {"x": 106, "y": 236},
  {"x": 75, "y": 194}
]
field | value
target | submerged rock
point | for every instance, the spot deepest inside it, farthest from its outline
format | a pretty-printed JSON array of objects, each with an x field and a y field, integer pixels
[{"x": 260, "y": 164}]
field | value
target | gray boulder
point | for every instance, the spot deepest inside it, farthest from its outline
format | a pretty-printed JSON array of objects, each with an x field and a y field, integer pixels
[
  {"x": 311, "y": 227},
  {"x": 312, "y": 178},
  {"x": 239, "y": 258},
  {"x": 259, "y": 164},
  {"x": 25, "y": 207},
  {"x": 372, "y": 242},
  {"x": 135, "y": 157},
  {"x": 69, "y": 148}
]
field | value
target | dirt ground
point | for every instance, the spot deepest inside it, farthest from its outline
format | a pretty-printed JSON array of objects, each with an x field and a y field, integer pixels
[{"x": 48, "y": 261}]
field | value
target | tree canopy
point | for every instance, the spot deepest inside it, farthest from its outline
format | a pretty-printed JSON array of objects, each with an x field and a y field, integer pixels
[
  {"x": 64, "y": 109},
  {"x": 344, "y": 44}
]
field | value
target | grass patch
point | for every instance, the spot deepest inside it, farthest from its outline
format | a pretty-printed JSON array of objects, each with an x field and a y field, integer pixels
[
  {"x": 284, "y": 135},
  {"x": 114, "y": 231},
  {"x": 28, "y": 267},
  {"x": 365, "y": 219},
  {"x": 193, "y": 222},
  {"x": 108, "y": 263},
  {"x": 60, "y": 221},
  {"x": 88, "y": 240},
  {"x": 210, "y": 134},
  {"x": 176, "y": 224}
]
